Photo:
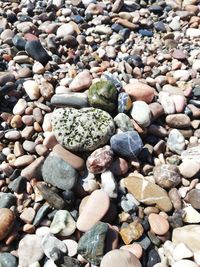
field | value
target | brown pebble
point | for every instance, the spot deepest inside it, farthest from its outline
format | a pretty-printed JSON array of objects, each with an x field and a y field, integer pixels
[
  {"x": 41, "y": 150},
  {"x": 27, "y": 132},
  {"x": 23, "y": 161},
  {"x": 6, "y": 222},
  {"x": 28, "y": 120},
  {"x": 18, "y": 149},
  {"x": 16, "y": 122}
]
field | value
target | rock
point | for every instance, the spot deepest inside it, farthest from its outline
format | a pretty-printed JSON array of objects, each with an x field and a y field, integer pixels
[
  {"x": 81, "y": 82},
  {"x": 72, "y": 247},
  {"x": 189, "y": 168},
  {"x": 100, "y": 160},
  {"x": 63, "y": 223},
  {"x": 96, "y": 207},
  {"x": 179, "y": 121},
  {"x": 176, "y": 141},
  {"x": 181, "y": 251},
  {"x": 103, "y": 95},
  {"x": 153, "y": 258},
  {"x": 120, "y": 258},
  {"x": 59, "y": 173},
  {"x": 123, "y": 122},
  {"x": 134, "y": 248},
  {"x": 140, "y": 91},
  {"x": 108, "y": 184},
  {"x": 189, "y": 235},
  {"x": 192, "y": 153},
  {"x": 7, "y": 200},
  {"x": 119, "y": 167},
  {"x": 140, "y": 112},
  {"x": 27, "y": 215},
  {"x": 18, "y": 185},
  {"x": 127, "y": 144},
  {"x": 91, "y": 247},
  {"x": 13, "y": 135},
  {"x": 38, "y": 68},
  {"x": 185, "y": 263},
  {"x": 194, "y": 198},
  {"x": 148, "y": 192},
  {"x": 179, "y": 102},
  {"x": 23, "y": 161},
  {"x": 32, "y": 89},
  {"x": 68, "y": 261},
  {"x": 7, "y": 220},
  {"x": 124, "y": 103},
  {"x": 167, "y": 102},
  {"x": 166, "y": 175},
  {"x": 131, "y": 232},
  {"x": 196, "y": 65},
  {"x": 159, "y": 225},
  {"x": 193, "y": 33},
  {"x": 156, "y": 110},
  {"x": 20, "y": 107},
  {"x": 36, "y": 51},
  {"x": 34, "y": 169},
  {"x": 91, "y": 133},
  {"x": 30, "y": 250},
  {"x": 64, "y": 30},
  {"x": 75, "y": 100},
  {"x": 191, "y": 215},
  {"x": 8, "y": 260}
]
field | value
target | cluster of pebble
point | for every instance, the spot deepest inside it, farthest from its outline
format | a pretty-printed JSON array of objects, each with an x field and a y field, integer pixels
[{"x": 99, "y": 133}]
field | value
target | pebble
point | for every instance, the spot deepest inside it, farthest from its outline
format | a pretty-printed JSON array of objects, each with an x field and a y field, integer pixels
[
  {"x": 75, "y": 100},
  {"x": 7, "y": 220},
  {"x": 72, "y": 247},
  {"x": 8, "y": 260},
  {"x": 159, "y": 225},
  {"x": 27, "y": 215},
  {"x": 108, "y": 184},
  {"x": 191, "y": 215},
  {"x": 166, "y": 102},
  {"x": 140, "y": 91},
  {"x": 134, "y": 248},
  {"x": 179, "y": 121},
  {"x": 131, "y": 232},
  {"x": 124, "y": 102},
  {"x": 176, "y": 141},
  {"x": 193, "y": 33},
  {"x": 123, "y": 122},
  {"x": 81, "y": 82},
  {"x": 23, "y": 161},
  {"x": 140, "y": 112},
  {"x": 65, "y": 30},
  {"x": 32, "y": 89},
  {"x": 193, "y": 198},
  {"x": 184, "y": 263},
  {"x": 189, "y": 168},
  {"x": 119, "y": 166}
]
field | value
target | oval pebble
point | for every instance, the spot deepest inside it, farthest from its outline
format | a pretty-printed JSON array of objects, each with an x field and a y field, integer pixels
[{"x": 159, "y": 224}]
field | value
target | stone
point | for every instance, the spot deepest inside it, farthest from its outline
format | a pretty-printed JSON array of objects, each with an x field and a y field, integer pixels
[
  {"x": 194, "y": 198},
  {"x": 120, "y": 258},
  {"x": 189, "y": 235},
  {"x": 181, "y": 251},
  {"x": 193, "y": 33},
  {"x": 179, "y": 102},
  {"x": 30, "y": 250},
  {"x": 64, "y": 30},
  {"x": 23, "y": 161},
  {"x": 179, "y": 121},
  {"x": 196, "y": 65},
  {"x": 131, "y": 232},
  {"x": 72, "y": 247},
  {"x": 93, "y": 128},
  {"x": 189, "y": 168},
  {"x": 176, "y": 141},
  {"x": 32, "y": 89},
  {"x": 75, "y": 100},
  {"x": 192, "y": 153},
  {"x": 140, "y": 91},
  {"x": 27, "y": 215},
  {"x": 68, "y": 261},
  {"x": 123, "y": 122},
  {"x": 20, "y": 107},
  {"x": 18, "y": 185},
  {"x": 103, "y": 95},
  {"x": 7, "y": 200},
  {"x": 81, "y": 82},
  {"x": 59, "y": 173},
  {"x": 36, "y": 51},
  {"x": 7, "y": 220},
  {"x": 127, "y": 144},
  {"x": 191, "y": 215},
  {"x": 185, "y": 263},
  {"x": 92, "y": 244},
  {"x": 124, "y": 102},
  {"x": 167, "y": 175},
  {"x": 34, "y": 169},
  {"x": 147, "y": 192},
  {"x": 153, "y": 258},
  {"x": 134, "y": 248},
  {"x": 96, "y": 207},
  {"x": 100, "y": 160},
  {"x": 159, "y": 225},
  {"x": 8, "y": 260},
  {"x": 108, "y": 184},
  {"x": 63, "y": 223},
  {"x": 119, "y": 167},
  {"x": 140, "y": 112},
  {"x": 167, "y": 102}
]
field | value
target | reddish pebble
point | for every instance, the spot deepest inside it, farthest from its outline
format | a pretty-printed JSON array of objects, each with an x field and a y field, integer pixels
[
  {"x": 140, "y": 91},
  {"x": 159, "y": 225}
]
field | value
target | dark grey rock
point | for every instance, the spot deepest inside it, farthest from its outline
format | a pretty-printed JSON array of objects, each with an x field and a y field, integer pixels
[
  {"x": 7, "y": 200},
  {"x": 18, "y": 185},
  {"x": 19, "y": 42},
  {"x": 153, "y": 258}
]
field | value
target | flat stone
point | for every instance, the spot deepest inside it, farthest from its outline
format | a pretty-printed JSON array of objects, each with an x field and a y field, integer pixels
[
  {"x": 32, "y": 89},
  {"x": 194, "y": 198},
  {"x": 64, "y": 30},
  {"x": 59, "y": 173},
  {"x": 91, "y": 133},
  {"x": 23, "y": 161},
  {"x": 140, "y": 112},
  {"x": 147, "y": 192},
  {"x": 159, "y": 225},
  {"x": 8, "y": 260},
  {"x": 27, "y": 215},
  {"x": 140, "y": 91},
  {"x": 120, "y": 258},
  {"x": 7, "y": 219},
  {"x": 167, "y": 102},
  {"x": 75, "y": 100},
  {"x": 81, "y": 82},
  {"x": 127, "y": 144},
  {"x": 96, "y": 207},
  {"x": 179, "y": 121},
  {"x": 34, "y": 169},
  {"x": 176, "y": 141}
]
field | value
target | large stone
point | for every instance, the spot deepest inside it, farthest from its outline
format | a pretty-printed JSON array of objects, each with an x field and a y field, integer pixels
[
  {"x": 59, "y": 173},
  {"x": 140, "y": 91},
  {"x": 92, "y": 244},
  {"x": 147, "y": 192},
  {"x": 82, "y": 130}
]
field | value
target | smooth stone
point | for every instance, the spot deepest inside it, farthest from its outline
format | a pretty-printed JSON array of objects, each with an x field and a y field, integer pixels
[
  {"x": 75, "y": 100},
  {"x": 127, "y": 144},
  {"x": 20, "y": 107},
  {"x": 8, "y": 260},
  {"x": 34, "y": 169},
  {"x": 30, "y": 250},
  {"x": 92, "y": 248},
  {"x": 140, "y": 112},
  {"x": 27, "y": 215},
  {"x": 131, "y": 232},
  {"x": 124, "y": 102},
  {"x": 167, "y": 102},
  {"x": 120, "y": 258},
  {"x": 179, "y": 121},
  {"x": 36, "y": 51},
  {"x": 179, "y": 102},
  {"x": 103, "y": 95},
  {"x": 194, "y": 198},
  {"x": 63, "y": 223},
  {"x": 91, "y": 133},
  {"x": 153, "y": 258},
  {"x": 108, "y": 184},
  {"x": 123, "y": 122},
  {"x": 18, "y": 185},
  {"x": 189, "y": 235},
  {"x": 7, "y": 77},
  {"x": 140, "y": 91},
  {"x": 23, "y": 161},
  {"x": 59, "y": 173},
  {"x": 196, "y": 65},
  {"x": 13, "y": 135},
  {"x": 181, "y": 251},
  {"x": 176, "y": 141},
  {"x": 32, "y": 89},
  {"x": 119, "y": 167},
  {"x": 193, "y": 33},
  {"x": 72, "y": 247},
  {"x": 192, "y": 153},
  {"x": 147, "y": 192},
  {"x": 134, "y": 248},
  {"x": 100, "y": 160},
  {"x": 185, "y": 263},
  {"x": 7, "y": 200},
  {"x": 159, "y": 225},
  {"x": 156, "y": 110},
  {"x": 7, "y": 220},
  {"x": 19, "y": 42},
  {"x": 191, "y": 215},
  {"x": 96, "y": 207},
  {"x": 145, "y": 32},
  {"x": 166, "y": 175},
  {"x": 82, "y": 81},
  {"x": 189, "y": 168},
  {"x": 64, "y": 30},
  {"x": 160, "y": 26}
]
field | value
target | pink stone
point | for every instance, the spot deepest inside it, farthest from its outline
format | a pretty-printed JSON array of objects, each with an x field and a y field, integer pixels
[
  {"x": 134, "y": 248},
  {"x": 158, "y": 223},
  {"x": 50, "y": 140},
  {"x": 100, "y": 160},
  {"x": 33, "y": 170},
  {"x": 30, "y": 37},
  {"x": 140, "y": 91},
  {"x": 179, "y": 102},
  {"x": 81, "y": 82}
]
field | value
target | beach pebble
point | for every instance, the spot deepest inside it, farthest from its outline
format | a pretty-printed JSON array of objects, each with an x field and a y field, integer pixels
[
  {"x": 140, "y": 91},
  {"x": 7, "y": 220},
  {"x": 32, "y": 89},
  {"x": 185, "y": 263},
  {"x": 140, "y": 112},
  {"x": 176, "y": 141},
  {"x": 81, "y": 82},
  {"x": 189, "y": 168},
  {"x": 159, "y": 225},
  {"x": 108, "y": 184}
]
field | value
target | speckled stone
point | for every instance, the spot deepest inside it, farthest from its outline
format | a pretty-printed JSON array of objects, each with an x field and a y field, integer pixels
[
  {"x": 92, "y": 244},
  {"x": 82, "y": 130},
  {"x": 103, "y": 95},
  {"x": 124, "y": 102},
  {"x": 127, "y": 144}
]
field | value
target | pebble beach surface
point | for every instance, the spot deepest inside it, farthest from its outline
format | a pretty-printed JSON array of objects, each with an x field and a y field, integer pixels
[{"x": 99, "y": 133}]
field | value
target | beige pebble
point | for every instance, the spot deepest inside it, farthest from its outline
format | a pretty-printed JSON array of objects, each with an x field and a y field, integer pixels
[
  {"x": 31, "y": 171},
  {"x": 13, "y": 135},
  {"x": 50, "y": 140},
  {"x": 46, "y": 126},
  {"x": 27, "y": 132},
  {"x": 32, "y": 89},
  {"x": 20, "y": 107},
  {"x": 189, "y": 168},
  {"x": 27, "y": 215},
  {"x": 41, "y": 150},
  {"x": 28, "y": 120},
  {"x": 72, "y": 247},
  {"x": 159, "y": 225},
  {"x": 23, "y": 161}
]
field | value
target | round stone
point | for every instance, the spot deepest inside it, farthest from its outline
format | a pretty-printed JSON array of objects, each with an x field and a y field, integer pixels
[
  {"x": 7, "y": 219},
  {"x": 189, "y": 168},
  {"x": 81, "y": 82},
  {"x": 140, "y": 112},
  {"x": 166, "y": 176},
  {"x": 176, "y": 141},
  {"x": 140, "y": 91},
  {"x": 194, "y": 198},
  {"x": 120, "y": 258},
  {"x": 8, "y": 260},
  {"x": 134, "y": 248},
  {"x": 82, "y": 130},
  {"x": 159, "y": 224},
  {"x": 180, "y": 121}
]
